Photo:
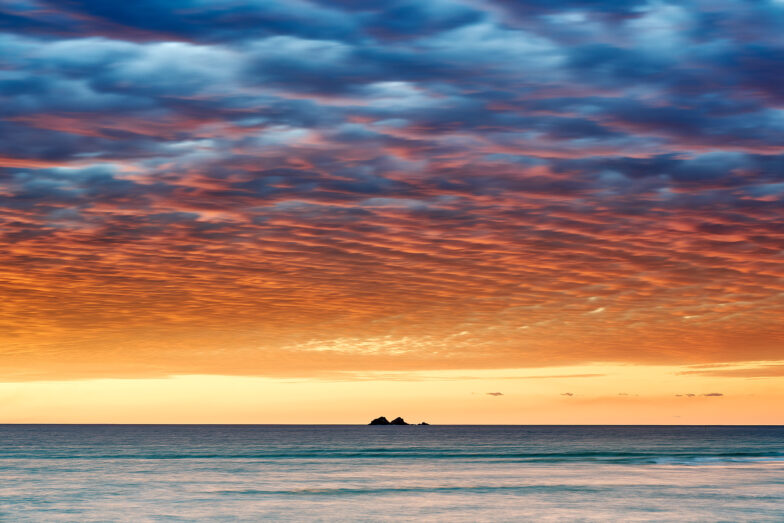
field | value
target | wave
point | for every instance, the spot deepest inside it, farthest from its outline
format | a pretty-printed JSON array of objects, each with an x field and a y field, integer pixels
[
  {"x": 477, "y": 489},
  {"x": 598, "y": 456}
]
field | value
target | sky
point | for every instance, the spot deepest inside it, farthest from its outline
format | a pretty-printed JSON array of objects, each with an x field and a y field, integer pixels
[{"x": 290, "y": 211}]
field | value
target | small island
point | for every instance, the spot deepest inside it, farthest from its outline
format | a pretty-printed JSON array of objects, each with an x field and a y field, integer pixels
[{"x": 382, "y": 420}]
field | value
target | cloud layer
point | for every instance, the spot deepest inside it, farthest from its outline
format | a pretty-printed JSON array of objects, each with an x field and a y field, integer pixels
[{"x": 266, "y": 187}]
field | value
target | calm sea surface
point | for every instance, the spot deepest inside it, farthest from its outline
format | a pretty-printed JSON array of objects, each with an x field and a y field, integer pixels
[{"x": 344, "y": 473}]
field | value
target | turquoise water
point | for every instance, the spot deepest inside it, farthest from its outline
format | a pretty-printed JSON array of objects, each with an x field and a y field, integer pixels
[{"x": 345, "y": 473}]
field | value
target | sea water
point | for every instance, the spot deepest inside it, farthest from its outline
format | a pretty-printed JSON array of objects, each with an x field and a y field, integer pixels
[{"x": 390, "y": 473}]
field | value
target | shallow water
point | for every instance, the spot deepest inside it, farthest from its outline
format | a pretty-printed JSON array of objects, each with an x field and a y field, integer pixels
[{"x": 449, "y": 473}]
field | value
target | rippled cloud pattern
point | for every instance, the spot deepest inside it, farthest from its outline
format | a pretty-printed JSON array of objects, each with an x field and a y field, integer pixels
[{"x": 276, "y": 187}]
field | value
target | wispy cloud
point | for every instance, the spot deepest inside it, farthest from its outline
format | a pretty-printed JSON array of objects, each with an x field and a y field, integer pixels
[
  {"x": 707, "y": 395},
  {"x": 757, "y": 371}
]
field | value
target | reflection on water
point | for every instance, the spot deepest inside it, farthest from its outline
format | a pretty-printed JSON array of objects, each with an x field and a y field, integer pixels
[{"x": 455, "y": 473}]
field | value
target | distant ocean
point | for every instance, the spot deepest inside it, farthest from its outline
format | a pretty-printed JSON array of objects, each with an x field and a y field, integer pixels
[{"x": 390, "y": 473}]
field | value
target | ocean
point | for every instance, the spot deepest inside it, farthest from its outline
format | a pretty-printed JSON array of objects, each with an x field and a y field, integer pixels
[{"x": 390, "y": 473}]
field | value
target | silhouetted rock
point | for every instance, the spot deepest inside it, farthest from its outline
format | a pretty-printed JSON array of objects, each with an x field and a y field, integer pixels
[{"x": 397, "y": 421}]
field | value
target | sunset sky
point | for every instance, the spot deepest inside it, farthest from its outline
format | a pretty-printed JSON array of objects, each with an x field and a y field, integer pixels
[{"x": 263, "y": 211}]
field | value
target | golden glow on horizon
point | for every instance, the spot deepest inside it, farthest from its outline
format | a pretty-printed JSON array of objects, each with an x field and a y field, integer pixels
[
  {"x": 386, "y": 210},
  {"x": 600, "y": 394}
]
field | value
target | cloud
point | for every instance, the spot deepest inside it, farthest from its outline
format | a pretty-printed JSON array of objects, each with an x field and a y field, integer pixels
[
  {"x": 760, "y": 371},
  {"x": 709, "y": 395},
  {"x": 558, "y": 376},
  {"x": 569, "y": 394},
  {"x": 495, "y": 393},
  {"x": 562, "y": 182}
]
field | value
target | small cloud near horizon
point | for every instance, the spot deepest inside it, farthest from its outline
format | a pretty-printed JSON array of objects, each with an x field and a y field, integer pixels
[
  {"x": 708, "y": 395},
  {"x": 570, "y": 394},
  {"x": 495, "y": 393}
]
